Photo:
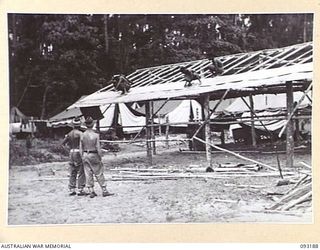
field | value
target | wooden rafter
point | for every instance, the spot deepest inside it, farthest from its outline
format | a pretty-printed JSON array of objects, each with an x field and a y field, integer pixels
[{"x": 233, "y": 64}]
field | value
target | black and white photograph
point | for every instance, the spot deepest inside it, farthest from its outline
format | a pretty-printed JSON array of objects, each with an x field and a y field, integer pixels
[{"x": 160, "y": 118}]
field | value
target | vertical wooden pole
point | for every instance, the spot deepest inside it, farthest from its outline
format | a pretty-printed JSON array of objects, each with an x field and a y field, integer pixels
[
  {"x": 148, "y": 132},
  {"x": 207, "y": 112},
  {"x": 290, "y": 132},
  {"x": 152, "y": 129},
  {"x": 297, "y": 130},
  {"x": 160, "y": 132},
  {"x": 98, "y": 126},
  {"x": 167, "y": 132},
  {"x": 32, "y": 127},
  {"x": 222, "y": 137},
  {"x": 253, "y": 131}
]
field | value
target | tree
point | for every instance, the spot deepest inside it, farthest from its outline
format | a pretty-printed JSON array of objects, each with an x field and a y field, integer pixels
[{"x": 55, "y": 59}]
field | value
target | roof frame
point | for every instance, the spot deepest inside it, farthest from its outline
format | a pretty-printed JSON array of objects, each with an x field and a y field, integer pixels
[{"x": 245, "y": 72}]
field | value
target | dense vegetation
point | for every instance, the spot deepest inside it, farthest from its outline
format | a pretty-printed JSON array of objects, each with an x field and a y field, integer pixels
[{"x": 55, "y": 59}]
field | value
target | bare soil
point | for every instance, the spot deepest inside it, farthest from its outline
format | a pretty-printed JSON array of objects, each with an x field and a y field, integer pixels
[{"x": 44, "y": 199}]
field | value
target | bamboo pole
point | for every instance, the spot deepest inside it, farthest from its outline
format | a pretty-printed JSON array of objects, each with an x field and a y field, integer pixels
[
  {"x": 150, "y": 118},
  {"x": 159, "y": 122},
  {"x": 290, "y": 115},
  {"x": 148, "y": 133},
  {"x": 237, "y": 155},
  {"x": 271, "y": 137},
  {"x": 151, "y": 140},
  {"x": 167, "y": 132},
  {"x": 289, "y": 125},
  {"x": 153, "y": 143},
  {"x": 98, "y": 126},
  {"x": 32, "y": 127},
  {"x": 253, "y": 131},
  {"x": 220, "y": 121},
  {"x": 212, "y": 111},
  {"x": 222, "y": 137},
  {"x": 301, "y": 199},
  {"x": 207, "y": 129}
]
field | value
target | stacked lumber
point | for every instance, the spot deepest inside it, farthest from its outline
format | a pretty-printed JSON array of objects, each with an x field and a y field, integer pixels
[
  {"x": 168, "y": 173},
  {"x": 298, "y": 196},
  {"x": 221, "y": 171},
  {"x": 237, "y": 168}
]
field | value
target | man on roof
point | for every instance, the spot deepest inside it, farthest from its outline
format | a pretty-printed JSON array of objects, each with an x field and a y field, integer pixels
[
  {"x": 216, "y": 68},
  {"x": 121, "y": 83},
  {"x": 189, "y": 76}
]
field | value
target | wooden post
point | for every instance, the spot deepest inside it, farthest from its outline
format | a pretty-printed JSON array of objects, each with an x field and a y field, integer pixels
[
  {"x": 98, "y": 126},
  {"x": 167, "y": 132},
  {"x": 290, "y": 132},
  {"x": 206, "y": 108},
  {"x": 148, "y": 132},
  {"x": 32, "y": 127},
  {"x": 160, "y": 132},
  {"x": 152, "y": 130},
  {"x": 222, "y": 137},
  {"x": 253, "y": 131}
]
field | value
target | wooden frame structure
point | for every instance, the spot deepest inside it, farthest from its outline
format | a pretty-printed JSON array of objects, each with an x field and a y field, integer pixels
[
  {"x": 233, "y": 64},
  {"x": 282, "y": 70}
]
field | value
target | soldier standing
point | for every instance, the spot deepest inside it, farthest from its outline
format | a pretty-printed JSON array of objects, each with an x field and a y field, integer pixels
[
  {"x": 91, "y": 157},
  {"x": 76, "y": 166}
]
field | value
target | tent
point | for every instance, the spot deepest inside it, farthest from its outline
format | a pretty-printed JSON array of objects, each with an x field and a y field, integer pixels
[
  {"x": 64, "y": 118},
  {"x": 269, "y": 105},
  {"x": 182, "y": 111},
  {"x": 20, "y": 123},
  {"x": 130, "y": 121},
  {"x": 265, "y": 102},
  {"x": 123, "y": 116}
]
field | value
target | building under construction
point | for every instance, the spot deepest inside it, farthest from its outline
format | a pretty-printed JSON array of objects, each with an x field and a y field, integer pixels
[{"x": 273, "y": 71}]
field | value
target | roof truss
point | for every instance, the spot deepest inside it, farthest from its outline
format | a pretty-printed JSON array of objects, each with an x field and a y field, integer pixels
[{"x": 233, "y": 64}]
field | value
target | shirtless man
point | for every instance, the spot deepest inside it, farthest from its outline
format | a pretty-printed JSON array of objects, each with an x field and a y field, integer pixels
[
  {"x": 121, "y": 83},
  {"x": 91, "y": 157},
  {"x": 72, "y": 139},
  {"x": 216, "y": 68},
  {"x": 189, "y": 76}
]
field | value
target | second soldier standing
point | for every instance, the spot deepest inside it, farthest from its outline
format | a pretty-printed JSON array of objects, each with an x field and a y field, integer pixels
[{"x": 76, "y": 166}]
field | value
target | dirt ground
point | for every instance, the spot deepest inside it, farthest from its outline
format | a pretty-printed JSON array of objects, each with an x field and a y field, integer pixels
[{"x": 44, "y": 199}]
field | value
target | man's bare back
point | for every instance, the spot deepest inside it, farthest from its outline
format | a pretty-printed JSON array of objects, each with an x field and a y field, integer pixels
[{"x": 90, "y": 142}]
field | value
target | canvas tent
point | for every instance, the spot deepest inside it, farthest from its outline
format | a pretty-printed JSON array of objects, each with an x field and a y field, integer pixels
[
  {"x": 64, "y": 118},
  {"x": 265, "y": 102},
  {"x": 271, "y": 105},
  {"x": 130, "y": 122},
  {"x": 20, "y": 123},
  {"x": 179, "y": 112}
]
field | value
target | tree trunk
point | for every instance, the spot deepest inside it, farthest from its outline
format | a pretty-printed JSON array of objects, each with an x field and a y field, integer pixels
[
  {"x": 44, "y": 102},
  {"x": 305, "y": 23},
  {"x": 13, "y": 56},
  {"x": 106, "y": 36}
]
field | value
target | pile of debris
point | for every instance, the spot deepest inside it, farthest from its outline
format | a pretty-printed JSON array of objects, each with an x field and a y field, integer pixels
[{"x": 299, "y": 196}]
